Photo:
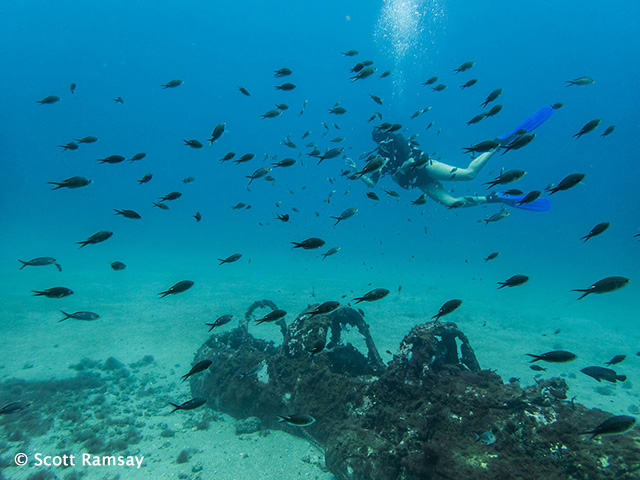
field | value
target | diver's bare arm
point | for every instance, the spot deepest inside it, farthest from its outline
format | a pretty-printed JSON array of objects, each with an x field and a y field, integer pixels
[{"x": 442, "y": 171}]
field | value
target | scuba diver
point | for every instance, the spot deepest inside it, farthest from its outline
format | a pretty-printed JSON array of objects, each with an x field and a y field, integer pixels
[{"x": 409, "y": 167}]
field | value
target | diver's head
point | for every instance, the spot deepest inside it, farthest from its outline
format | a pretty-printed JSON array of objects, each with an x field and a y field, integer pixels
[{"x": 558, "y": 105}]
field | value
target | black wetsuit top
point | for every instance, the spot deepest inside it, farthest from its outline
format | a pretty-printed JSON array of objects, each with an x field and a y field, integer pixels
[{"x": 398, "y": 150}]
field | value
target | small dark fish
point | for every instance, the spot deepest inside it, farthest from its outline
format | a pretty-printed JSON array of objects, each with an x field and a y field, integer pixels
[
  {"x": 373, "y": 165},
  {"x": 239, "y": 206},
  {"x": 616, "y": 360},
  {"x": 469, "y": 83},
  {"x": 392, "y": 193},
  {"x": 588, "y": 127},
  {"x": 252, "y": 371},
  {"x": 188, "y": 180},
  {"x": 309, "y": 243},
  {"x": 261, "y": 172},
  {"x": 326, "y": 307},
  {"x": 85, "y": 316},
  {"x": 298, "y": 420},
  {"x": 477, "y": 119},
  {"x": 350, "y": 53},
  {"x": 316, "y": 349},
  {"x": 373, "y": 196},
  {"x": 440, "y": 87},
  {"x": 118, "y": 266},
  {"x": 172, "y": 84},
  {"x": 161, "y": 206},
  {"x": 190, "y": 405},
  {"x": 581, "y": 81},
  {"x": 366, "y": 63},
  {"x": 283, "y": 218},
  {"x": 179, "y": 287},
  {"x": 40, "y": 262},
  {"x": 597, "y": 230},
  {"x": 95, "y": 238},
  {"x": 88, "y": 139},
  {"x": 230, "y": 259},
  {"x": 487, "y": 437},
  {"x": 137, "y": 157},
  {"x": 609, "y": 130},
  {"x": 287, "y": 162},
  {"x": 271, "y": 114},
  {"x": 568, "y": 182},
  {"x": 431, "y": 81},
  {"x": 601, "y": 373},
  {"x": 69, "y": 146},
  {"x": 73, "y": 182},
  {"x": 348, "y": 213},
  {"x": 54, "y": 292},
  {"x": 282, "y": 106},
  {"x": 555, "y": 356},
  {"x": 218, "y": 130},
  {"x": 606, "y": 285},
  {"x": 222, "y": 320},
  {"x": 514, "y": 191},
  {"x": 537, "y": 368},
  {"x": 492, "y": 96},
  {"x": 492, "y": 256},
  {"x": 496, "y": 109},
  {"x": 128, "y": 214},
  {"x": 373, "y": 295},
  {"x": 48, "y": 100},
  {"x": 502, "y": 214},
  {"x": 521, "y": 141},
  {"x": 193, "y": 143},
  {"x": 14, "y": 407},
  {"x": 338, "y": 110},
  {"x": 113, "y": 159},
  {"x": 364, "y": 73},
  {"x": 514, "y": 281},
  {"x": 198, "y": 217},
  {"x": 612, "y": 425},
  {"x": 282, "y": 72},
  {"x": 271, "y": 316},
  {"x": 357, "y": 67},
  {"x": 464, "y": 67},
  {"x": 170, "y": 196},
  {"x": 385, "y": 74},
  {"x": 331, "y": 251},
  {"x": 447, "y": 308},
  {"x": 286, "y": 87},
  {"x": 421, "y": 200},
  {"x": 376, "y": 99},
  {"x": 329, "y": 154},
  {"x": 72, "y": 88},
  {"x": 244, "y": 91},
  {"x": 146, "y": 179},
  {"x": 228, "y": 156},
  {"x": 197, "y": 368},
  {"x": 529, "y": 197},
  {"x": 119, "y": 100}
]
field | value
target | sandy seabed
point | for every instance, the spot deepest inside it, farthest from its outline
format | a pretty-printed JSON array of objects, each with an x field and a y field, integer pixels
[{"x": 502, "y": 325}]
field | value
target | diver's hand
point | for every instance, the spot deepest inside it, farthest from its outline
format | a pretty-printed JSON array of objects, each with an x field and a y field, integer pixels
[
  {"x": 370, "y": 183},
  {"x": 405, "y": 166}
]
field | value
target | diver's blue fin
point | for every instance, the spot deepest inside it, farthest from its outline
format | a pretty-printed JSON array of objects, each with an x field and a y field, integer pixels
[
  {"x": 530, "y": 124},
  {"x": 538, "y": 205}
]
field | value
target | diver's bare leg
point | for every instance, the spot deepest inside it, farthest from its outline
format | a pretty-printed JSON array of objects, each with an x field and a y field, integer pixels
[
  {"x": 442, "y": 171},
  {"x": 437, "y": 192}
]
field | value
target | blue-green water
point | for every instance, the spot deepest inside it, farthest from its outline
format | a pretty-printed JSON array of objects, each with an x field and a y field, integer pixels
[{"x": 129, "y": 49}]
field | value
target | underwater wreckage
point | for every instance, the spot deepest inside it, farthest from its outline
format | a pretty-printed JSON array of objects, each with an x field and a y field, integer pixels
[{"x": 419, "y": 417}]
